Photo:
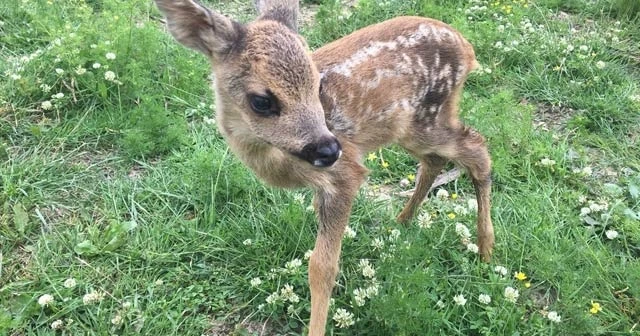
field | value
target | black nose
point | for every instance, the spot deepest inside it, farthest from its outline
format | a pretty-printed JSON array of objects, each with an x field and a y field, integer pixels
[{"x": 322, "y": 154}]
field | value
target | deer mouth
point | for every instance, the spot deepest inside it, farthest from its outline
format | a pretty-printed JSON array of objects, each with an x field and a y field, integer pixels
[{"x": 321, "y": 155}]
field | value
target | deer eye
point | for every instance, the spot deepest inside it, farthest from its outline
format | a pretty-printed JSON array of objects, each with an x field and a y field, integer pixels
[{"x": 263, "y": 106}]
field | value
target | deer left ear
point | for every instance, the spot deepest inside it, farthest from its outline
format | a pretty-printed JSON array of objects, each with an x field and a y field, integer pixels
[
  {"x": 200, "y": 28},
  {"x": 283, "y": 11}
]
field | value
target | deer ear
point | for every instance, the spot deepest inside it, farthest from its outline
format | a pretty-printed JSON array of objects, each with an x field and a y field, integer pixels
[
  {"x": 283, "y": 11},
  {"x": 200, "y": 28}
]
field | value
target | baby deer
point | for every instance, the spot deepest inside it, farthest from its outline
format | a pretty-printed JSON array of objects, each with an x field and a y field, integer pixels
[{"x": 302, "y": 119}]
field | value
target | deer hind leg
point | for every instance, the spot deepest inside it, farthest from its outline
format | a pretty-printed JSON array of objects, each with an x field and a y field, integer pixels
[{"x": 430, "y": 167}]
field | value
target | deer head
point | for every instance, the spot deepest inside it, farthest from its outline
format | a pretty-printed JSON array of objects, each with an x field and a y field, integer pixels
[{"x": 267, "y": 86}]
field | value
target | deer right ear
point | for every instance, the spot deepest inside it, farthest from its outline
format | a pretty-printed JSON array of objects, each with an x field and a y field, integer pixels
[{"x": 200, "y": 28}]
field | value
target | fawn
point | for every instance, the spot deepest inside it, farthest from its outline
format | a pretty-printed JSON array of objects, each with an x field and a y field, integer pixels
[{"x": 303, "y": 119}]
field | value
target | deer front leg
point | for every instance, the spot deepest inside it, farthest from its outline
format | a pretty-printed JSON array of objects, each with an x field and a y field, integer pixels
[{"x": 333, "y": 215}]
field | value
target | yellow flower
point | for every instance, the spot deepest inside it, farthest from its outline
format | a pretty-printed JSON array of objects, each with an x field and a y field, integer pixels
[
  {"x": 454, "y": 196},
  {"x": 595, "y": 308},
  {"x": 527, "y": 284},
  {"x": 372, "y": 156},
  {"x": 411, "y": 177},
  {"x": 451, "y": 215},
  {"x": 520, "y": 276},
  {"x": 385, "y": 164}
]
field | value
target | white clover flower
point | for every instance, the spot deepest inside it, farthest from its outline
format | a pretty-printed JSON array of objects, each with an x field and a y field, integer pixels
[
  {"x": 110, "y": 76},
  {"x": 45, "y": 300},
  {"x": 459, "y": 300},
  {"x": 247, "y": 242},
  {"x": 80, "y": 70},
  {"x": 501, "y": 270},
  {"x": 255, "y": 282},
  {"x": 293, "y": 264},
  {"x": 582, "y": 199},
  {"x": 360, "y": 295},
  {"x": 601, "y": 65},
  {"x": 308, "y": 254},
  {"x": 15, "y": 76},
  {"x": 462, "y": 231},
  {"x": 460, "y": 210},
  {"x": 299, "y": 198},
  {"x": 473, "y": 248},
  {"x": 554, "y": 317},
  {"x": 440, "y": 304},
  {"x": 372, "y": 290},
  {"x": 367, "y": 270},
  {"x": 116, "y": 320},
  {"x": 92, "y": 297},
  {"x": 587, "y": 171},
  {"x": 349, "y": 233},
  {"x": 547, "y": 162},
  {"x": 472, "y": 204},
  {"x": 57, "y": 324},
  {"x": 96, "y": 65},
  {"x": 501, "y": 28},
  {"x": 611, "y": 234},
  {"x": 45, "y": 88},
  {"x": 404, "y": 183},
  {"x": 272, "y": 298},
  {"x": 59, "y": 71},
  {"x": 58, "y": 95},
  {"x": 424, "y": 220},
  {"x": 585, "y": 211},
  {"x": 377, "y": 244},
  {"x": 93, "y": 46},
  {"x": 498, "y": 45},
  {"x": 110, "y": 56},
  {"x": 569, "y": 49},
  {"x": 511, "y": 294},
  {"x": 69, "y": 283},
  {"x": 343, "y": 318},
  {"x": 442, "y": 193},
  {"x": 46, "y": 105},
  {"x": 159, "y": 282},
  {"x": 287, "y": 294},
  {"x": 126, "y": 305},
  {"x": 484, "y": 299},
  {"x": 584, "y": 48},
  {"x": 394, "y": 235}
]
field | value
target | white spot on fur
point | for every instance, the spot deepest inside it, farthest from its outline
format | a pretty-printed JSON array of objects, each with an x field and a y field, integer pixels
[{"x": 372, "y": 50}]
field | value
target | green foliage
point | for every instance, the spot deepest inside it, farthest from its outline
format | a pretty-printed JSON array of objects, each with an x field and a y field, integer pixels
[{"x": 153, "y": 132}]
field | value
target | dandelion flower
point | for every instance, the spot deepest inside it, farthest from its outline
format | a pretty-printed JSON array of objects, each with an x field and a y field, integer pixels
[
  {"x": 372, "y": 156},
  {"x": 45, "y": 300},
  {"x": 454, "y": 196},
  {"x": 46, "y": 105},
  {"x": 459, "y": 300},
  {"x": 343, "y": 318},
  {"x": 385, "y": 164},
  {"x": 57, "y": 324},
  {"x": 595, "y": 308},
  {"x": 611, "y": 234},
  {"x": 411, "y": 177},
  {"x": 554, "y": 317},
  {"x": 247, "y": 242},
  {"x": 520, "y": 276},
  {"x": 451, "y": 215},
  {"x": 441, "y": 193},
  {"x": 69, "y": 283},
  {"x": 110, "y": 56},
  {"x": 511, "y": 294},
  {"x": 601, "y": 65},
  {"x": 473, "y": 248},
  {"x": 255, "y": 282},
  {"x": 527, "y": 284},
  {"x": 484, "y": 299}
]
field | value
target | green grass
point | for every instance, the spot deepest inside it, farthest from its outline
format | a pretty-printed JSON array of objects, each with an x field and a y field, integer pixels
[{"x": 125, "y": 185}]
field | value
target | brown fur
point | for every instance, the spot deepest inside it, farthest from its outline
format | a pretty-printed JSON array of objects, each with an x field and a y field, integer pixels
[{"x": 395, "y": 82}]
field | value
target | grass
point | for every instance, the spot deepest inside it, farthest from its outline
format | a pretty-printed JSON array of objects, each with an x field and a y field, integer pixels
[{"x": 124, "y": 185}]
